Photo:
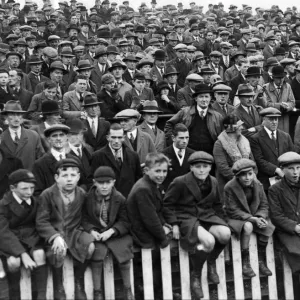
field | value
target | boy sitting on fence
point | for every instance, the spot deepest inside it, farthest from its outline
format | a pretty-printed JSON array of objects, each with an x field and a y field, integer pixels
[
  {"x": 193, "y": 208},
  {"x": 20, "y": 242},
  {"x": 105, "y": 218},
  {"x": 247, "y": 207}
]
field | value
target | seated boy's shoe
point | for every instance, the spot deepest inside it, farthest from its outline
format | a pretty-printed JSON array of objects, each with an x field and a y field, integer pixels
[
  {"x": 196, "y": 286},
  {"x": 79, "y": 290},
  {"x": 263, "y": 269},
  {"x": 98, "y": 295},
  {"x": 212, "y": 274},
  {"x": 59, "y": 294},
  {"x": 128, "y": 294},
  {"x": 247, "y": 270}
]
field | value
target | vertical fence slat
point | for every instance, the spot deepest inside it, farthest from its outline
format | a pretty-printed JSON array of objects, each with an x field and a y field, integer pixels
[
  {"x": 184, "y": 274},
  {"x": 25, "y": 284},
  {"x": 49, "y": 293},
  {"x": 132, "y": 276},
  {"x": 68, "y": 275},
  {"x": 88, "y": 283},
  {"x": 108, "y": 272},
  {"x": 237, "y": 269},
  {"x": 222, "y": 287},
  {"x": 255, "y": 281},
  {"x": 204, "y": 282},
  {"x": 166, "y": 273},
  {"x": 272, "y": 284},
  {"x": 147, "y": 274},
  {"x": 287, "y": 280}
]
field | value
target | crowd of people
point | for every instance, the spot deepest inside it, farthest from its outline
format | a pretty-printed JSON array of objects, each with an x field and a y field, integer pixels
[{"x": 125, "y": 128}]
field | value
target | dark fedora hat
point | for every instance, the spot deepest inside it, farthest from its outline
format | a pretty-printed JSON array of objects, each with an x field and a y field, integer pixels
[
  {"x": 144, "y": 62},
  {"x": 34, "y": 59},
  {"x": 67, "y": 52},
  {"x": 202, "y": 88},
  {"x": 279, "y": 51},
  {"x": 140, "y": 28},
  {"x": 245, "y": 89},
  {"x": 72, "y": 26},
  {"x": 129, "y": 57},
  {"x": 253, "y": 71},
  {"x": 170, "y": 70},
  {"x": 117, "y": 64},
  {"x": 159, "y": 54},
  {"x": 40, "y": 44},
  {"x": 90, "y": 99},
  {"x": 151, "y": 106},
  {"x": 84, "y": 64},
  {"x": 12, "y": 106},
  {"x": 50, "y": 107},
  {"x": 76, "y": 125},
  {"x": 104, "y": 34},
  {"x": 278, "y": 72},
  {"x": 91, "y": 41},
  {"x": 58, "y": 65}
]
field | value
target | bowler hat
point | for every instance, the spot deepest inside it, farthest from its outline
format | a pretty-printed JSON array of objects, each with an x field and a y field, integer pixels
[
  {"x": 90, "y": 99},
  {"x": 200, "y": 156},
  {"x": 279, "y": 51},
  {"x": 140, "y": 28},
  {"x": 12, "y": 106},
  {"x": 270, "y": 112},
  {"x": 159, "y": 55},
  {"x": 50, "y": 107},
  {"x": 84, "y": 64},
  {"x": 56, "y": 127},
  {"x": 288, "y": 158},
  {"x": 76, "y": 125},
  {"x": 243, "y": 165},
  {"x": 202, "y": 88},
  {"x": 253, "y": 71},
  {"x": 104, "y": 34},
  {"x": 21, "y": 175},
  {"x": 245, "y": 89},
  {"x": 278, "y": 72},
  {"x": 206, "y": 70},
  {"x": 150, "y": 106},
  {"x": 104, "y": 173}
]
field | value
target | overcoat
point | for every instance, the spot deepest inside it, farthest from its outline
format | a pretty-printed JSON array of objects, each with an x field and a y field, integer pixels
[
  {"x": 239, "y": 211},
  {"x": 120, "y": 244},
  {"x": 185, "y": 97},
  {"x": 285, "y": 215},
  {"x": 17, "y": 226},
  {"x": 186, "y": 207},
  {"x": 50, "y": 220},
  {"x": 145, "y": 213}
]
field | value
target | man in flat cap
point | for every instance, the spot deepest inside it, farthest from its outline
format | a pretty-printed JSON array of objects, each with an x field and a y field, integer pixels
[
  {"x": 22, "y": 244},
  {"x": 221, "y": 93},
  {"x": 201, "y": 231},
  {"x": 58, "y": 222},
  {"x": 268, "y": 144},
  {"x": 285, "y": 210},
  {"x": 105, "y": 218}
]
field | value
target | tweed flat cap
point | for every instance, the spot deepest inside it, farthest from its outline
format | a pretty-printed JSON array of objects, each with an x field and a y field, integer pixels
[
  {"x": 194, "y": 77},
  {"x": 127, "y": 114},
  {"x": 270, "y": 112},
  {"x": 222, "y": 88},
  {"x": 56, "y": 127},
  {"x": 200, "y": 156},
  {"x": 288, "y": 158},
  {"x": 243, "y": 165}
]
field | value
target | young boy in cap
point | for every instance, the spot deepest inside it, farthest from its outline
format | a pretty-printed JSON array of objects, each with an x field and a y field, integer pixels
[
  {"x": 193, "y": 208},
  {"x": 20, "y": 240},
  {"x": 58, "y": 222},
  {"x": 105, "y": 218},
  {"x": 248, "y": 211}
]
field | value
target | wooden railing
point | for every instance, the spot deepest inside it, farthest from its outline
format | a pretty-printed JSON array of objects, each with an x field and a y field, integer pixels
[{"x": 109, "y": 282}]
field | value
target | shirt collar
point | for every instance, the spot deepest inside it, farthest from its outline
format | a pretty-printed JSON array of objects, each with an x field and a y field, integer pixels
[
  {"x": 19, "y": 200},
  {"x": 13, "y": 132},
  {"x": 246, "y": 108},
  {"x": 177, "y": 149},
  {"x": 75, "y": 149},
  {"x": 201, "y": 109},
  {"x": 57, "y": 154},
  {"x": 133, "y": 132},
  {"x": 269, "y": 132},
  {"x": 46, "y": 125}
]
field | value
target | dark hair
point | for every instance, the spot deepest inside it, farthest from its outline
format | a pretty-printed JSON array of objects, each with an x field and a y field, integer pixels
[
  {"x": 49, "y": 84},
  {"x": 115, "y": 126},
  {"x": 156, "y": 158},
  {"x": 179, "y": 128},
  {"x": 80, "y": 77},
  {"x": 4, "y": 71},
  {"x": 19, "y": 72},
  {"x": 230, "y": 119}
]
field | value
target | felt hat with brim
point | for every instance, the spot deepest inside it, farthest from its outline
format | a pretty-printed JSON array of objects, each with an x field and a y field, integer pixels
[
  {"x": 278, "y": 72},
  {"x": 288, "y": 158},
  {"x": 272, "y": 61},
  {"x": 100, "y": 52},
  {"x": 123, "y": 43},
  {"x": 245, "y": 90},
  {"x": 13, "y": 53},
  {"x": 129, "y": 57},
  {"x": 200, "y": 157},
  {"x": 50, "y": 107},
  {"x": 253, "y": 71},
  {"x": 104, "y": 173},
  {"x": 67, "y": 53},
  {"x": 206, "y": 70},
  {"x": 279, "y": 51},
  {"x": 231, "y": 123},
  {"x": 202, "y": 88},
  {"x": 84, "y": 64},
  {"x": 11, "y": 37},
  {"x": 56, "y": 127},
  {"x": 287, "y": 61},
  {"x": 112, "y": 50},
  {"x": 20, "y": 42},
  {"x": 72, "y": 26},
  {"x": 58, "y": 65},
  {"x": 76, "y": 126},
  {"x": 12, "y": 106},
  {"x": 270, "y": 112},
  {"x": 293, "y": 43},
  {"x": 90, "y": 99},
  {"x": 34, "y": 59},
  {"x": 40, "y": 44},
  {"x": 170, "y": 70},
  {"x": 151, "y": 106},
  {"x": 4, "y": 48},
  {"x": 21, "y": 175},
  {"x": 237, "y": 53},
  {"x": 91, "y": 42},
  {"x": 162, "y": 85},
  {"x": 144, "y": 62},
  {"x": 243, "y": 165},
  {"x": 117, "y": 64}
]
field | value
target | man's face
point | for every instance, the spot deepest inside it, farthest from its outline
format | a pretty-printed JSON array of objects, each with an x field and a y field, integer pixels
[
  {"x": 215, "y": 59},
  {"x": 157, "y": 173},
  {"x": 21, "y": 49},
  {"x": 222, "y": 97},
  {"x": 115, "y": 138},
  {"x": 172, "y": 79},
  {"x": 14, "y": 120},
  {"x": 253, "y": 80},
  {"x": 244, "y": 68},
  {"x": 53, "y": 118},
  {"x": 56, "y": 75},
  {"x": 4, "y": 79},
  {"x": 14, "y": 61},
  {"x": 85, "y": 28},
  {"x": 93, "y": 111},
  {"x": 128, "y": 124},
  {"x": 92, "y": 48},
  {"x": 131, "y": 64},
  {"x": 246, "y": 178},
  {"x": 181, "y": 140},
  {"x": 73, "y": 20},
  {"x": 67, "y": 179},
  {"x": 51, "y": 27},
  {"x": 81, "y": 85},
  {"x": 26, "y": 33},
  {"x": 295, "y": 49},
  {"x": 225, "y": 51},
  {"x": 271, "y": 123},
  {"x": 73, "y": 32},
  {"x": 291, "y": 172},
  {"x": 140, "y": 35},
  {"x": 24, "y": 190},
  {"x": 203, "y": 100},
  {"x": 14, "y": 79},
  {"x": 118, "y": 72},
  {"x": 160, "y": 63},
  {"x": 50, "y": 93},
  {"x": 290, "y": 69},
  {"x": 145, "y": 69},
  {"x": 150, "y": 118},
  {"x": 57, "y": 140},
  {"x": 54, "y": 43},
  {"x": 206, "y": 78},
  {"x": 102, "y": 59},
  {"x": 209, "y": 36},
  {"x": 31, "y": 43},
  {"x": 66, "y": 60},
  {"x": 200, "y": 170},
  {"x": 75, "y": 139},
  {"x": 181, "y": 54},
  {"x": 246, "y": 100},
  {"x": 139, "y": 84}
]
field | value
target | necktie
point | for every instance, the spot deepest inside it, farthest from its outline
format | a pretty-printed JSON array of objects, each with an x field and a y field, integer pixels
[
  {"x": 80, "y": 97},
  {"x": 161, "y": 71},
  {"x": 154, "y": 129},
  {"x": 174, "y": 88},
  {"x": 59, "y": 93},
  {"x": 94, "y": 128},
  {"x": 180, "y": 153},
  {"x": 224, "y": 108},
  {"x": 17, "y": 140},
  {"x": 25, "y": 205},
  {"x": 60, "y": 156},
  {"x": 118, "y": 158},
  {"x": 103, "y": 214},
  {"x": 202, "y": 114},
  {"x": 131, "y": 139},
  {"x": 79, "y": 152},
  {"x": 273, "y": 137},
  {"x": 226, "y": 61}
]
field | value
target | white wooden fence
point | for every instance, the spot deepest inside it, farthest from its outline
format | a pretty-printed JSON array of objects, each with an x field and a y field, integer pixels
[{"x": 147, "y": 273}]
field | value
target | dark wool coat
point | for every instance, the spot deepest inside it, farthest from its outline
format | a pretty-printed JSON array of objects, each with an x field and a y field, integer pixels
[
  {"x": 120, "y": 244},
  {"x": 185, "y": 206},
  {"x": 145, "y": 213},
  {"x": 17, "y": 226},
  {"x": 168, "y": 108},
  {"x": 183, "y": 66},
  {"x": 50, "y": 220},
  {"x": 127, "y": 175},
  {"x": 285, "y": 215},
  {"x": 239, "y": 211}
]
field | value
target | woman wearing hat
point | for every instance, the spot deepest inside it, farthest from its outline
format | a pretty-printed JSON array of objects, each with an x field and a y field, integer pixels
[
  {"x": 166, "y": 103},
  {"x": 246, "y": 205},
  {"x": 230, "y": 147}
]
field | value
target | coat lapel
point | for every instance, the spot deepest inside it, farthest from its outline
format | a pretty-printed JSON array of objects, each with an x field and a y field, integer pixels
[
  {"x": 268, "y": 141},
  {"x": 75, "y": 100},
  {"x": 241, "y": 195},
  {"x": 57, "y": 200},
  {"x": 23, "y": 140},
  {"x": 113, "y": 208},
  {"x": 8, "y": 142},
  {"x": 193, "y": 186},
  {"x": 140, "y": 140}
]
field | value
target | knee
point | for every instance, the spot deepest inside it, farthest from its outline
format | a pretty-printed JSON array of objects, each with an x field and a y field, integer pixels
[
  {"x": 13, "y": 264},
  {"x": 39, "y": 257},
  {"x": 248, "y": 228},
  {"x": 2, "y": 271},
  {"x": 91, "y": 250},
  {"x": 224, "y": 235},
  {"x": 209, "y": 243}
]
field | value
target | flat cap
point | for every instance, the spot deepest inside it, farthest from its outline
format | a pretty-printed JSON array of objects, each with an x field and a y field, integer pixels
[
  {"x": 215, "y": 53},
  {"x": 245, "y": 31},
  {"x": 56, "y": 127},
  {"x": 104, "y": 173},
  {"x": 270, "y": 112},
  {"x": 67, "y": 163},
  {"x": 50, "y": 52},
  {"x": 194, "y": 77},
  {"x": 180, "y": 47},
  {"x": 21, "y": 175},
  {"x": 288, "y": 158},
  {"x": 127, "y": 114},
  {"x": 222, "y": 88},
  {"x": 243, "y": 165},
  {"x": 287, "y": 61},
  {"x": 200, "y": 156}
]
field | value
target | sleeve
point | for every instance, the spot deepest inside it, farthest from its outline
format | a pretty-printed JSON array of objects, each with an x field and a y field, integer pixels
[
  {"x": 122, "y": 224},
  {"x": 171, "y": 123},
  {"x": 39, "y": 175},
  {"x": 263, "y": 209},
  {"x": 181, "y": 99}
]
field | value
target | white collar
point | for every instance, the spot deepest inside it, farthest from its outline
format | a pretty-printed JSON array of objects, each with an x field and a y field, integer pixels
[
  {"x": 75, "y": 149},
  {"x": 201, "y": 109},
  {"x": 57, "y": 154},
  {"x": 133, "y": 132},
  {"x": 13, "y": 132},
  {"x": 269, "y": 132},
  {"x": 46, "y": 125},
  {"x": 246, "y": 108},
  {"x": 19, "y": 200},
  {"x": 151, "y": 126}
]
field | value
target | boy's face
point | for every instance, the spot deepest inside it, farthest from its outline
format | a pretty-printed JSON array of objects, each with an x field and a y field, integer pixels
[
  {"x": 24, "y": 190},
  {"x": 67, "y": 179},
  {"x": 201, "y": 170},
  {"x": 105, "y": 187},
  {"x": 157, "y": 173}
]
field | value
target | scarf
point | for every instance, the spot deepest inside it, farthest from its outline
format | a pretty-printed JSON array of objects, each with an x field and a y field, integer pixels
[{"x": 235, "y": 149}]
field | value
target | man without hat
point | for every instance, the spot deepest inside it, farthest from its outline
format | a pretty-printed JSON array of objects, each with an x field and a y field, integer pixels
[
  {"x": 18, "y": 209},
  {"x": 204, "y": 123},
  {"x": 105, "y": 218},
  {"x": 120, "y": 158},
  {"x": 221, "y": 95},
  {"x": 268, "y": 144},
  {"x": 203, "y": 230},
  {"x": 58, "y": 222}
]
